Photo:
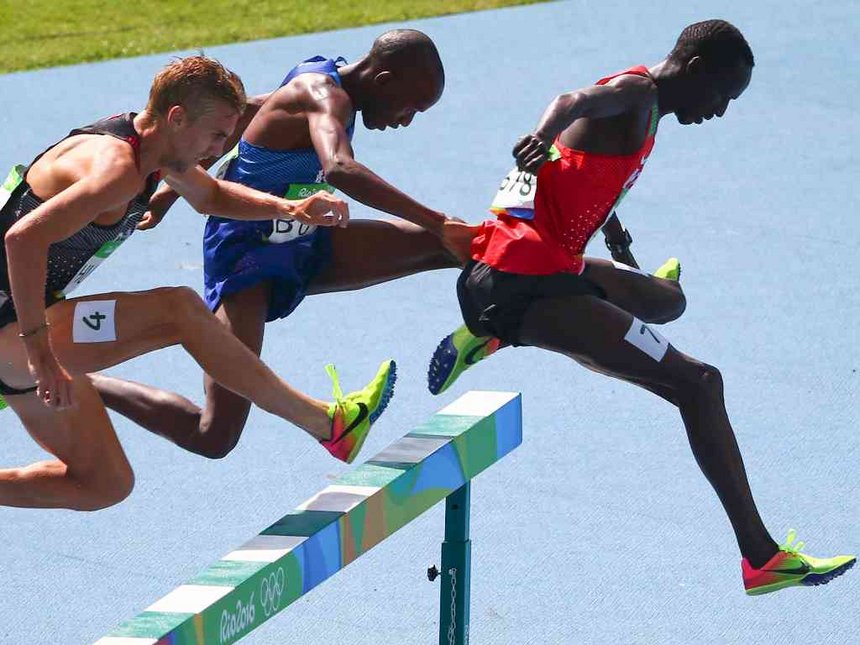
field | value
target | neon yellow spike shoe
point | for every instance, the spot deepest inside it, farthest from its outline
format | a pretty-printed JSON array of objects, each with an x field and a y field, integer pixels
[
  {"x": 670, "y": 270},
  {"x": 352, "y": 415},
  {"x": 790, "y": 568},
  {"x": 455, "y": 354}
]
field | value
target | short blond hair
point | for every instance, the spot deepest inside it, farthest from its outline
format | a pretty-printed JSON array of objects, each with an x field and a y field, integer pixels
[{"x": 195, "y": 83}]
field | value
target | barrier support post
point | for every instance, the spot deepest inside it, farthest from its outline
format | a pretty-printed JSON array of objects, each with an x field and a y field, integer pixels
[{"x": 456, "y": 570}]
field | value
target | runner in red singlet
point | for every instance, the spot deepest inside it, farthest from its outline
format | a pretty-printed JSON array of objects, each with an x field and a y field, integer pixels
[{"x": 529, "y": 283}]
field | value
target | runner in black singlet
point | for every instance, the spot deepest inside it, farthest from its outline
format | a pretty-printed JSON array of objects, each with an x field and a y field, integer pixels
[{"x": 64, "y": 214}]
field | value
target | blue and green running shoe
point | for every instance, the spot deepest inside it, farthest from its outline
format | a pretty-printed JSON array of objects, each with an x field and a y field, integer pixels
[{"x": 455, "y": 354}]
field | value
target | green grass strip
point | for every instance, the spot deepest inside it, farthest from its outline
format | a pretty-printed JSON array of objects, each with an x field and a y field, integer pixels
[{"x": 45, "y": 33}]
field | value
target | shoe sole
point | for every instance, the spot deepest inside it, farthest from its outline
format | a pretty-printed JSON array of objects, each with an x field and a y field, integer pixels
[
  {"x": 444, "y": 361},
  {"x": 815, "y": 579},
  {"x": 810, "y": 580}
]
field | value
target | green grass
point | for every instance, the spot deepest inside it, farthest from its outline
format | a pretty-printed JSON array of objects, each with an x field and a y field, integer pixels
[{"x": 43, "y": 33}]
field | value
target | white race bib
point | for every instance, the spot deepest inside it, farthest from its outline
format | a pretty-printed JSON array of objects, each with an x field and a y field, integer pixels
[
  {"x": 285, "y": 230},
  {"x": 94, "y": 322},
  {"x": 517, "y": 190},
  {"x": 646, "y": 339}
]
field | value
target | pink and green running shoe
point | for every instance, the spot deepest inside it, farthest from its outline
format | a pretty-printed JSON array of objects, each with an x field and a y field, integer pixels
[
  {"x": 790, "y": 568},
  {"x": 456, "y": 353},
  {"x": 352, "y": 415}
]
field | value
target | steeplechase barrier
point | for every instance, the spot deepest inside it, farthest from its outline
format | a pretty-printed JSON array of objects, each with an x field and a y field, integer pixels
[{"x": 248, "y": 586}]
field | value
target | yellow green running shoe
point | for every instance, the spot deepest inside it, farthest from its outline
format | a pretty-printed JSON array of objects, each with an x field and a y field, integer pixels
[
  {"x": 2, "y": 403},
  {"x": 455, "y": 354},
  {"x": 670, "y": 270},
  {"x": 789, "y": 568},
  {"x": 352, "y": 415}
]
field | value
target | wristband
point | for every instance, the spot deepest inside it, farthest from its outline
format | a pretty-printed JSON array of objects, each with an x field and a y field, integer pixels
[{"x": 34, "y": 331}]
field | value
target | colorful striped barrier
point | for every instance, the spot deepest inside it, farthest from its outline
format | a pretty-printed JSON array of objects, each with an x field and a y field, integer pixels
[{"x": 248, "y": 586}]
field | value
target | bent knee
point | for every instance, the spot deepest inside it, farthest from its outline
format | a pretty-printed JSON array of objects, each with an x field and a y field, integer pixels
[
  {"x": 105, "y": 491},
  {"x": 702, "y": 380},
  {"x": 183, "y": 299},
  {"x": 217, "y": 438},
  {"x": 215, "y": 450},
  {"x": 670, "y": 307}
]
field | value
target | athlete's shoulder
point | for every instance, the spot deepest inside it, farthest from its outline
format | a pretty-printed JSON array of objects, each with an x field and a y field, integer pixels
[
  {"x": 312, "y": 89},
  {"x": 635, "y": 86},
  {"x": 633, "y": 78},
  {"x": 111, "y": 161}
]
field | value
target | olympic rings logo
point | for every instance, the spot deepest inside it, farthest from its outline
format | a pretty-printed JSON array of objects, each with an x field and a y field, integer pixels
[{"x": 271, "y": 590}]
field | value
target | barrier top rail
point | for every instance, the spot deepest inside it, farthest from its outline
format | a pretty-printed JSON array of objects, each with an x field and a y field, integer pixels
[{"x": 248, "y": 586}]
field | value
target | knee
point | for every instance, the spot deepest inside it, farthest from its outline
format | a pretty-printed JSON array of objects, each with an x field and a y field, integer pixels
[
  {"x": 183, "y": 300},
  {"x": 217, "y": 440},
  {"x": 217, "y": 449},
  {"x": 671, "y": 307},
  {"x": 105, "y": 491},
  {"x": 703, "y": 380},
  {"x": 676, "y": 306},
  {"x": 178, "y": 305}
]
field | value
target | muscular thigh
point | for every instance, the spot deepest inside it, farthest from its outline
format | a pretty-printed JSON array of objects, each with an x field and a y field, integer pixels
[
  {"x": 369, "y": 252},
  {"x": 606, "y": 339},
  {"x": 645, "y": 296},
  {"x": 96, "y": 332}
]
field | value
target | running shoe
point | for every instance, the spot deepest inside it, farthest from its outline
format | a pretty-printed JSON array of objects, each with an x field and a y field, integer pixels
[
  {"x": 2, "y": 403},
  {"x": 455, "y": 354},
  {"x": 789, "y": 568},
  {"x": 352, "y": 415},
  {"x": 671, "y": 270}
]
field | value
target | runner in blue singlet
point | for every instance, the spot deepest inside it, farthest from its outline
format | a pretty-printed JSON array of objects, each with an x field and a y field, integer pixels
[{"x": 295, "y": 141}]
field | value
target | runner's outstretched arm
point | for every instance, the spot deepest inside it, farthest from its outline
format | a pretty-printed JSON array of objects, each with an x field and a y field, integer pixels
[
  {"x": 236, "y": 201},
  {"x": 165, "y": 196},
  {"x": 329, "y": 110}
]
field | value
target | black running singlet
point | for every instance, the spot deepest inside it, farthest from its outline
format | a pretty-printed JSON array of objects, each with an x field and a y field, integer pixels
[{"x": 71, "y": 260}]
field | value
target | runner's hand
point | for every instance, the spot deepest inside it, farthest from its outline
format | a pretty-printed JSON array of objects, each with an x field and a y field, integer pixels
[
  {"x": 322, "y": 209},
  {"x": 54, "y": 384},
  {"x": 159, "y": 204},
  {"x": 457, "y": 238},
  {"x": 150, "y": 219},
  {"x": 531, "y": 152}
]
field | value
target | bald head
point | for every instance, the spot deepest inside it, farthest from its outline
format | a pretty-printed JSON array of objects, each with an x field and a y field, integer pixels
[
  {"x": 405, "y": 77},
  {"x": 407, "y": 49}
]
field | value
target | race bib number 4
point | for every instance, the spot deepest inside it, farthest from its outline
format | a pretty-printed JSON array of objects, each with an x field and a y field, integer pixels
[{"x": 95, "y": 321}]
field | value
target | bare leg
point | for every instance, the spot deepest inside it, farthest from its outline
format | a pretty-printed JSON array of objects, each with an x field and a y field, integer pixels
[
  {"x": 151, "y": 320},
  {"x": 696, "y": 388},
  {"x": 214, "y": 430},
  {"x": 369, "y": 252},
  {"x": 91, "y": 470},
  {"x": 651, "y": 299},
  {"x": 399, "y": 249}
]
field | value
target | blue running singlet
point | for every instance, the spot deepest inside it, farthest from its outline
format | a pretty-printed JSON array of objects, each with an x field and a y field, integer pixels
[{"x": 238, "y": 255}]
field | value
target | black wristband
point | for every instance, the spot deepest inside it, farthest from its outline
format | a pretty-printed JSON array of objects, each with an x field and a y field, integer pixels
[{"x": 620, "y": 246}]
